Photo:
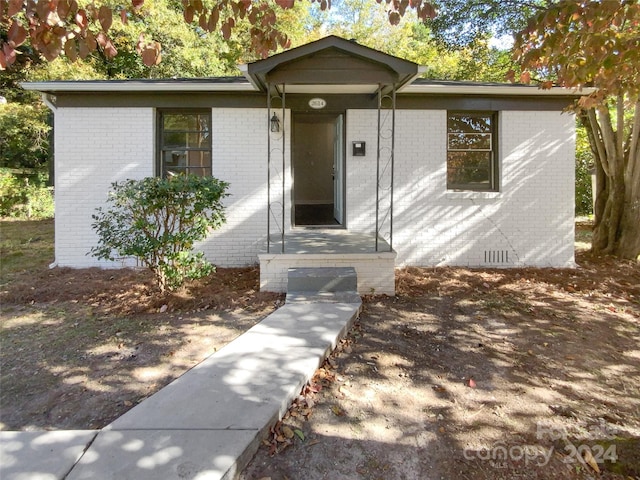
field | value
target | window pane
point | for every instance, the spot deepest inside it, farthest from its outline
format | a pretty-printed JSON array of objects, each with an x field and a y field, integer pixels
[
  {"x": 174, "y": 159},
  {"x": 469, "y": 123},
  {"x": 186, "y": 121},
  {"x": 199, "y": 159},
  {"x": 198, "y": 140},
  {"x": 469, "y": 168},
  {"x": 469, "y": 141},
  {"x": 200, "y": 171},
  {"x": 175, "y": 139}
]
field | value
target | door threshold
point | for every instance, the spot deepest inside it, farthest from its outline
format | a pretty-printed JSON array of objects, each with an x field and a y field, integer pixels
[{"x": 318, "y": 227}]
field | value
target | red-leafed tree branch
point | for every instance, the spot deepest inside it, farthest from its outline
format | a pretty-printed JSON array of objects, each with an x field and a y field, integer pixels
[
  {"x": 56, "y": 27},
  {"x": 579, "y": 44}
]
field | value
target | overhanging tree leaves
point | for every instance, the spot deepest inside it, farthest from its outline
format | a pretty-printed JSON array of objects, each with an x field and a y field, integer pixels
[
  {"x": 461, "y": 22},
  {"x": 77, "y": 28},
  {"x": 580, "y": 44}
]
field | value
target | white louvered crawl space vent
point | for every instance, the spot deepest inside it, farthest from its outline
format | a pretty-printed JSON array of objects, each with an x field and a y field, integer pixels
[{"x": 496, "y": 257}]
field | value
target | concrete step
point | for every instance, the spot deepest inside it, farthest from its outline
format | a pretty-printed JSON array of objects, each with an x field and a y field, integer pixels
[
  {"x": 322, "y": 279},
  {"x": 323, "y": 297}
]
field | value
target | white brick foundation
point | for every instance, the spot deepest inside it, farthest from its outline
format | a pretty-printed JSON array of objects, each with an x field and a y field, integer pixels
[{"x": 376, "y": 271}]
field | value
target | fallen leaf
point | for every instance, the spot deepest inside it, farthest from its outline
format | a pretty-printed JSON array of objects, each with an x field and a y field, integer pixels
[
  {"x": 299, "y": 433},
  {"x": 287, "y": 432},
  {"x": 127, "y": 403},
  {"x": 310, "y": 402},
  {"x": 472, "y": 383},
  {"x": 588, "y": 458},
  {"x": 442, "y": 430},
  {"x": 280, "y": 439},
  {"x": 337, "y": 411},
  {"x": 164, "y": 308},
  {"x": 313, "y": 442}
]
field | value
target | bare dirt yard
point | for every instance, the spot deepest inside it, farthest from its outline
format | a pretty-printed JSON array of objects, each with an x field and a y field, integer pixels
[
  {"x": 78, "y": 348},
  {"x": 464, "y": 374}
]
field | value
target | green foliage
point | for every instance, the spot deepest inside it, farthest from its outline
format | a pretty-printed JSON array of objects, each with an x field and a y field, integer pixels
[
  {"x": 25, "y": 196},
  {"x": 584, "y": 167},
  {"x": 459, "y": 23},
  {"x": 24, "y": 142},
  {"x": 158, "y": 220}
]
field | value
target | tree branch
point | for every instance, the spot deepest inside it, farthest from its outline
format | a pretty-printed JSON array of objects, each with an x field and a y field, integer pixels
[
  {"x": 596, "y": 134},
  {"x": 608, "y": 138},
  {"x": 620, "y": 125},
  {"x": 634, "y": 145}
]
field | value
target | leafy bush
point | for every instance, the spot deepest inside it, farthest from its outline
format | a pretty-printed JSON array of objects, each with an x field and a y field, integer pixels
[
  {"x": 24, "y": 142},
  {"x": 584, "y": 164},
  {"x": 158, "y": 220},
  {"x": 25, "y": 196}
]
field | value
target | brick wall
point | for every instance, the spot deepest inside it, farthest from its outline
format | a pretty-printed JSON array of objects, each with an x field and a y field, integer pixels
[
  {"x": 93, "y": 148},
  {"x": 529, "y": 222},
  {"x": 375, "y": 271},
  {"x": 240, "y": 158}
]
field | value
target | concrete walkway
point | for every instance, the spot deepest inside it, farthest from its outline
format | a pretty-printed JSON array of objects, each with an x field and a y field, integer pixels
[{"x": 208, "y": 423}]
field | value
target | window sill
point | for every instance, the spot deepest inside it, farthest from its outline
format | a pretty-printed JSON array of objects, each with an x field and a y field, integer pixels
[{"x": 471, "y": 194}]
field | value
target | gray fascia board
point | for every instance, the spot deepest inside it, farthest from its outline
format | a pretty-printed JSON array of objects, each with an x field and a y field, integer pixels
[
  {"x": 134, "y": 86},
  {"x": 506, "y": 89}
]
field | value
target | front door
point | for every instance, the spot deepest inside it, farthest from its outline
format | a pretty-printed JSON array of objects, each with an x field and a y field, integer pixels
[{"x": 318, "y": 169}]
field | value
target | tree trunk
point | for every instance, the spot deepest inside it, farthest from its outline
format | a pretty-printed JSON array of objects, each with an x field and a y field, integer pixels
[{"x": 617, "y": 164}]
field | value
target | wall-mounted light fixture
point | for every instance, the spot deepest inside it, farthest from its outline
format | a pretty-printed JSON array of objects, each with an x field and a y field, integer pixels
[{"x": 275, "y": 123}]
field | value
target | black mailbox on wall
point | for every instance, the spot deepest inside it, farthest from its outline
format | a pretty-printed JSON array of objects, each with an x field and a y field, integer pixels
[{"x": 359, "y": 149}]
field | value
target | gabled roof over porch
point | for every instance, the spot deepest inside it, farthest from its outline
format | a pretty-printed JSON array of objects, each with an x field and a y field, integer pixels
[{"x": 331, "y": 65}]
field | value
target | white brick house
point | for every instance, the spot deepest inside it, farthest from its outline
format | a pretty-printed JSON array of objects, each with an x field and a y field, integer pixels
[{"x": 329, "y": 147}]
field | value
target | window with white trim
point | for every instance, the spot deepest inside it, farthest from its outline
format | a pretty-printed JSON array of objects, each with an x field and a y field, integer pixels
[
  {"x": 472, "y": 159},
  {"x": 184, "y": 138}
]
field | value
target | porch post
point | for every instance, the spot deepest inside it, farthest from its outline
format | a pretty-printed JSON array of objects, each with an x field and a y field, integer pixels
[
  {"x": 268, "y": 168},
  {"x": 385, "y": 168},
  {"x": 272, "y": 167}
]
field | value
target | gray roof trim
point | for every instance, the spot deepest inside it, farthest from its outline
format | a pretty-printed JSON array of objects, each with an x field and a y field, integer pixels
[
  {"x": 214, "y": 84},
  {"x": 421, "y": 86},
  {"x": 242, "y": 85}
]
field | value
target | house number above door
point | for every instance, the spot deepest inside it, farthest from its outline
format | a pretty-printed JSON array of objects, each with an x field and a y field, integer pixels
[{"x": 317, "y": 103}]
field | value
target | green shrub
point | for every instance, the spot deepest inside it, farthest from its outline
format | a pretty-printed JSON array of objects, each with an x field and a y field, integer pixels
[
  {"x": 158, "y": 220},
  {"x": 25, "y": 196},
  {"x": 584, "y": 164},
  {"x": 24, "y": 142}
]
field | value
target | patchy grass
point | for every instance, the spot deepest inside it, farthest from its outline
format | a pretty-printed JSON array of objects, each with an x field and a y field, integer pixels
[
  {"x": 25, "y": 245},
  {"x": 584, "y": 230}
]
